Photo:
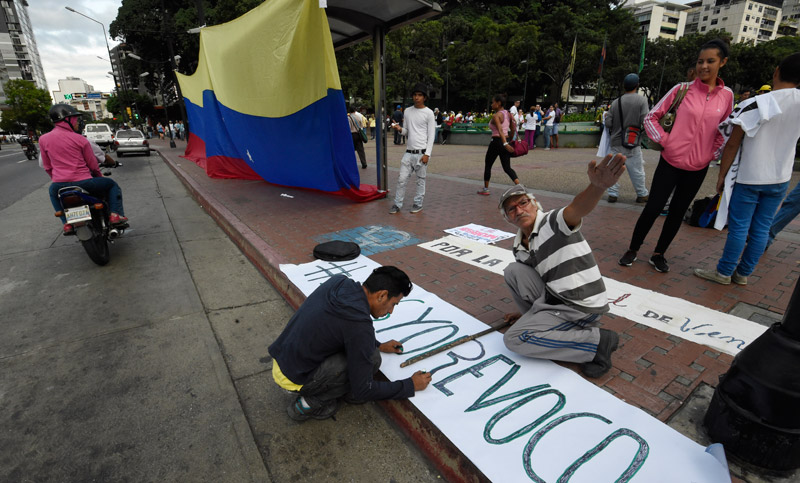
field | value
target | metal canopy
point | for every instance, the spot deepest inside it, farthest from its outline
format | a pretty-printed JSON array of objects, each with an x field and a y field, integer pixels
[{"x": 353, "y": 21}]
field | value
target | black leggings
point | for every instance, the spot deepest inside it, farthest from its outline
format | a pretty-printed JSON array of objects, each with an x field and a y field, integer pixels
[
  {"x": 666, "y": 178},
  {"x": 496, "y": 148}
]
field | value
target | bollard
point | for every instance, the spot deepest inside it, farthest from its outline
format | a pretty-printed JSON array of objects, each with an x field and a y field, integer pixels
[{"x": 754, "y": 412}]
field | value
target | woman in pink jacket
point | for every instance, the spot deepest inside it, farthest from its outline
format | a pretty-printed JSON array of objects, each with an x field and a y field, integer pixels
[{"x": 689, "y": 148}]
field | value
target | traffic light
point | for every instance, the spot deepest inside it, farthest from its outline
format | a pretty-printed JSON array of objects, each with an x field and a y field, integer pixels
[
  {"x": 129, "y": 111},
  {"x": 136, "y": 116}
]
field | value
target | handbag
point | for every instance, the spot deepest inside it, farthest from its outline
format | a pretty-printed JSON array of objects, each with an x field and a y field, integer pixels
[
  {"x": 361, "y": 132},
  {"x": 668, "y": 119},
  {"x": 520, "y": 148},
  {"x": 629, "y": 136}
]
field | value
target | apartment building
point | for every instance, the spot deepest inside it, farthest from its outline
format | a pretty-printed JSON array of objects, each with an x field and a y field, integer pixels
[
  {"x": 790, "y": 17},
  {"x": 19, "y": 56},
  {"x": 659, "y": 19},
  {"x": 746, "y": 20},
  {"x": 82, "y": 96}
]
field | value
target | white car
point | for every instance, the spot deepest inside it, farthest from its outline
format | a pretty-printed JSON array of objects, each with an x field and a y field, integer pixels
[
  {"x": 131, "y": 141},
  {"x": 100, "y": 134}
]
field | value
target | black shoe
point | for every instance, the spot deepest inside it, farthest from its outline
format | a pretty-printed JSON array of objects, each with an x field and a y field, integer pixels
[
  {"x": 299, "y": 413},
  {"x": 609, "y": 341},
  {"x": 612, "y": 199},
  {"x": 642, "y": 199},
  {"x": 659, "y": 263},
  {"x": 628, "y": 259},
  {"x": 363, "y": 166}
]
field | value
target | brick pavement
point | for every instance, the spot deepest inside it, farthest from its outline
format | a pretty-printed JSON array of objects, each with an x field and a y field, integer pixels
[{"x": 652, "y": 370}]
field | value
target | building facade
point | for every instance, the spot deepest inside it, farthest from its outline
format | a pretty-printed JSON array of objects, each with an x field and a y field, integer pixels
[
  {"x": 791, "y": 16},
  {"x": 745, "y": 20},
  {"x": 659, "y": 19},
  {"x": 19, "y": 56},
  {"x": 82, "y": 96}
]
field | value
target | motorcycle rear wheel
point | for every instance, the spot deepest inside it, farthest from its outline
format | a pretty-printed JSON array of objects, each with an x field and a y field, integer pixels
[{"x": 97, "y": 249}]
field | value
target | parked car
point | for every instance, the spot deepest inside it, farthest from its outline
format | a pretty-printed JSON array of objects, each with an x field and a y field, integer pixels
[
  {"x": 131, "y": 141},
  {"x": 100, "y": 134}
]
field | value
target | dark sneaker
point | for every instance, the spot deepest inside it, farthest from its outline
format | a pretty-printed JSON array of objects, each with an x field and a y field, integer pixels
[
  {"x": 642, "y": 199},
  {"x": 394, "y": 209},
  {"x": 713, "y": 275},
  {"x": 612, "y": 199},
  {"x": 738, "y": 279},
  {"x": 628, "y": 259},
  {"x": 416, "y": 209},
  {"x": 609, "y": 341},
  {"x": 659, "y": 263},
  {"x": 297, "y": 412}
]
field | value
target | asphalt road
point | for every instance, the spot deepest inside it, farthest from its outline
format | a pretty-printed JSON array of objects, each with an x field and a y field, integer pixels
[
  {"x": 18, "y": 175},
  {"x": 155, "y": 366}
]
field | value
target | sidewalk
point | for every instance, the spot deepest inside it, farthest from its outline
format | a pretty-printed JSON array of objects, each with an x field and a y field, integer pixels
[{"x": 652, "y": 370}]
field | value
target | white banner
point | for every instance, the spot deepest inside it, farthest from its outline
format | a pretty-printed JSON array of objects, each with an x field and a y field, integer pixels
[
  {"x": 720, "y": 331},
  {"x": 480, "y": 234},
  {"x": 516, "y": 418}
]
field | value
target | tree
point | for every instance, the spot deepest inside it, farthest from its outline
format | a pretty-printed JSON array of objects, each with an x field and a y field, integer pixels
[{"x": 28, "y": 105}]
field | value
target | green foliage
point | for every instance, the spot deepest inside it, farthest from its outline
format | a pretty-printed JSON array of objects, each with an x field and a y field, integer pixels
[
  {"x": 579, "y": 117},
  {"x": 27, "y": 104}
]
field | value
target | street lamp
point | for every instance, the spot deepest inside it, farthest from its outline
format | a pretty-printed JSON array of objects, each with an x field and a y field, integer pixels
[
  {"x": 525, "y": 86},
  {"x": 108, "y": 49}
]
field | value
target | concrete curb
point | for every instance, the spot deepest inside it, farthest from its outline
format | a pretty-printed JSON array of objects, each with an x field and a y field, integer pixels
[{"x": 438, "y": 448}]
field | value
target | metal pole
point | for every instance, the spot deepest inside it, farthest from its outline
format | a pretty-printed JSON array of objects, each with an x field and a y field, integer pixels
[
  {"x": 379, "y": 91},
  {"x": 174, "y": 67},
  {"x": 525, "y": 87}
]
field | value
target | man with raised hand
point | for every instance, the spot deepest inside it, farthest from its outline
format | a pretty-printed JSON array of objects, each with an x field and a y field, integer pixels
[{"x": 555, "y": 281}]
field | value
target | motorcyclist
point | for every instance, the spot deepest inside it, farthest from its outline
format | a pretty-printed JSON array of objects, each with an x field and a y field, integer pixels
[{"x": 68, "y": 159}]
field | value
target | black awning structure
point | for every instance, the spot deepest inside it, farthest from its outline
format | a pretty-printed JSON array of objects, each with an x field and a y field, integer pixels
[{"x": 354, "y": 21}]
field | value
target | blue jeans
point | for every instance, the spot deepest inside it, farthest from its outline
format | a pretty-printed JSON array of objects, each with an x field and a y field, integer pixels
[
  {"x": 750, "y": 214},
  {"x": 548, "y": 131},
  {"x": 105, "y": 188},
  {"x": 789, "y": 210}
]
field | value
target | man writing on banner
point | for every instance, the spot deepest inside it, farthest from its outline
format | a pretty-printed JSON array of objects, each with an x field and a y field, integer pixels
[
  {"x": 756, "y": 168},
  {"x": 555, "y": 281},
  {"x": 328, "y": 349}
]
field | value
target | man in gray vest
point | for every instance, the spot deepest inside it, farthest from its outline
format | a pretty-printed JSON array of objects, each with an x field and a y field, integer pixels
[{"x": 626, "y": 111}]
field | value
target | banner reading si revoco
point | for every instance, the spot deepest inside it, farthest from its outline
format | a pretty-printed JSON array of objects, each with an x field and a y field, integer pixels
[{"x": 520, "y": 419}]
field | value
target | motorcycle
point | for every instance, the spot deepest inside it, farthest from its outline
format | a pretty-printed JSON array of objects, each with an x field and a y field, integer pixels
[
  {"x": 89, "y": 217},
  {"x": 30, "y": 148}
]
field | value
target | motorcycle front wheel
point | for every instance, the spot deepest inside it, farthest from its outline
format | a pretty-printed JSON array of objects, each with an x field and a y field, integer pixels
[{"x": 97, "y": 249}]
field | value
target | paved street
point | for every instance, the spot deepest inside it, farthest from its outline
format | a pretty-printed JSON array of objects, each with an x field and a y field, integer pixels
[
  {"x": 18, "y": 175},
  {"x": 154, "y": 367}
]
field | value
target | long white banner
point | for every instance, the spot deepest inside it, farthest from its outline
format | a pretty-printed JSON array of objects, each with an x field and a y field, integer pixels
[
  {"x": 723, "y": 332},
  {"x": 520, "y": 419}
]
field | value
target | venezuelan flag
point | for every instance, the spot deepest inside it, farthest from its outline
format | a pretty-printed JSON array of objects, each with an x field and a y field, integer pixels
[{"x": 266, "y": 102}]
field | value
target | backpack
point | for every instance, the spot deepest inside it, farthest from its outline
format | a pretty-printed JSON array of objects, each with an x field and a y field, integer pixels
[{"x": 694, "y": 215}]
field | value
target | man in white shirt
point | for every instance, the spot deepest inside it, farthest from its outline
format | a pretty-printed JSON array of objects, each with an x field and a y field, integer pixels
[
  {"x": 759, "y": 172},
  {"x": 514, "y": 111},
  {"x": 419, "y": 127}
]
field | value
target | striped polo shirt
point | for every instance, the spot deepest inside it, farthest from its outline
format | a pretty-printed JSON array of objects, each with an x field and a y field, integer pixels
[{"x": 564, "y": 260}]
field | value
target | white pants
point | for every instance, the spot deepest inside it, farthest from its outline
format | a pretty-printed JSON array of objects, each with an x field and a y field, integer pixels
[{"x": 411, "y": 163}]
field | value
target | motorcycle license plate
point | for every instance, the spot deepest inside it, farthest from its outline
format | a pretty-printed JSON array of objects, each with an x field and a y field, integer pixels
[{"x": 78, "y": 214}]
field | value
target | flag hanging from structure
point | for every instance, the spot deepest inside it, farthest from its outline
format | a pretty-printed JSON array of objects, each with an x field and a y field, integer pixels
[
  {"x": 266, "y": 102},
  {"x": 641, "y": 57},
  {"x": 602, "y": 58}
]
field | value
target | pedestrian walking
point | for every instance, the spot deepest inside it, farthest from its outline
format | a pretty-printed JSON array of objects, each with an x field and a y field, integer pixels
[
  {"x": 557, "y": 113},
  {"x": 766, "y": 128},
  {"x": 420, "y": 129},
  {"x": 624, "y": 124},
  {"x": 549, "y": 121},
  {"x": 355, "y": 133},
  {"x": 499, "y": 146},
  {"x": 689, "y": 148},
  {"x": 397, "y": 118},
  {"x": 530, "y": 127}
]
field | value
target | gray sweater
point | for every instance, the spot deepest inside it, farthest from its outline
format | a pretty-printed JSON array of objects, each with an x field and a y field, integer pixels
[{"x": 634, "y": 108}]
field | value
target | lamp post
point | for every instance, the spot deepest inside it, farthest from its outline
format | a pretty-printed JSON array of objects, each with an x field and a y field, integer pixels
[
  {"x": 446, "y": 84},
  {"x": 525, "y": 86},
  {"x": 108, "y": 49}
]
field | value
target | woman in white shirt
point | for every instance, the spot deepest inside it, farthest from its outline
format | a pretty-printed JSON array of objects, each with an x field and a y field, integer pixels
[{"x": 530, "y": 127}]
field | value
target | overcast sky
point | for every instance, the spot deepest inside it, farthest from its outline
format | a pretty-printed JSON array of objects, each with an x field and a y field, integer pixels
[{"x": 70, "y": 44}]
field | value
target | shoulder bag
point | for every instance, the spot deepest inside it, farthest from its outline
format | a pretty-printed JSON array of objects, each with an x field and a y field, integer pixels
[
  {"x": 629, "y": 136},
  {"x": 668, "y": 119},
  {"x": 359, "y": 129}
]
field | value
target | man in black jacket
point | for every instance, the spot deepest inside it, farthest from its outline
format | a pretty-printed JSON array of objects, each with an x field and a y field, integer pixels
[{"x": 328, "y": 349}]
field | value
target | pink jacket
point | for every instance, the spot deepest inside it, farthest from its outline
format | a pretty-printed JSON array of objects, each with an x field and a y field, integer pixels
[
  {"x": 67, "y": 156},
  {"x": 694, "y": 140}
]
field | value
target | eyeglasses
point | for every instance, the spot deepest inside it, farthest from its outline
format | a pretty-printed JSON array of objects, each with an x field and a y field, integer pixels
[{"x": 523, "y": 203}]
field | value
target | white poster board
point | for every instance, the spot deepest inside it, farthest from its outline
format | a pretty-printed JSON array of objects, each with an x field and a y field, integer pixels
[
  {"x": 519, "y": 419},
  {"x": 480, "y": 234},
  {"x": 718, "y": 330}
]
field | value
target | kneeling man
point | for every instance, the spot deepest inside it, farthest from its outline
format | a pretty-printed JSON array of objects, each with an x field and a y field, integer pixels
[
  {"x": 555, "y": 281},
  {"x": 328, "y": 349}
]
